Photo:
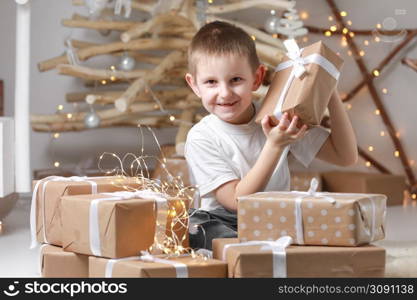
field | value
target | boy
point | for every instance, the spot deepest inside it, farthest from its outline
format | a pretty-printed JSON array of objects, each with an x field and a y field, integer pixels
[{"x": 228, "y": 154}]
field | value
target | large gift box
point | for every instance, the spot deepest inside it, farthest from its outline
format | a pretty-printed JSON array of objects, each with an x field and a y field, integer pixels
[
  {"x": 265, "y": 259},
  {"x": 312, "y": 219},
  {"x": 392, "y": 186},
  {"x": 45, "y": 219},
  {"x": 121, "y": 224},
  {"x": 57, "y": 263},
  {"x": 303, "y": 83},
  {"x": 157, "y": 267}
]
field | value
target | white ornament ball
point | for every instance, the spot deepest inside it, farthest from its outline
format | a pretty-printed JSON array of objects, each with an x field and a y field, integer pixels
[
  {"x": 127, "y": 63},
  {"x": 271, "y": 24},
  {"x": 92, "y": 120}
]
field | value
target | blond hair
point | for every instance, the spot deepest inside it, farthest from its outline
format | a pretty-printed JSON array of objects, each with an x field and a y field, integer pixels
[{"x": 221, "y": 38}]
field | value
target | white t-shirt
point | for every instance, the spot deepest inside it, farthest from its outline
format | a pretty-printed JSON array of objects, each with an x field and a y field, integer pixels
[{"x": 218, "y": 152}]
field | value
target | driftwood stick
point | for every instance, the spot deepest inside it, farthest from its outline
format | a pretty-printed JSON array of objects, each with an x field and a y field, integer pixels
[
  {"x": 267, "y": 4},
  {"x": 375, "y": 97},
  {"x": 97, "y": 74},
  {"x": 139, "y": 44},
  {"x": 412, "y": 63},
  {"x": 172, "y": 60},
  {"x": 135, "y": 5},
  {"x": 98, "y": 24}
]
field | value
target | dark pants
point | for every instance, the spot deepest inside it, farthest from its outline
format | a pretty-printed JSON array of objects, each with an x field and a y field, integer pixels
[{"x": 208, "y": 225}]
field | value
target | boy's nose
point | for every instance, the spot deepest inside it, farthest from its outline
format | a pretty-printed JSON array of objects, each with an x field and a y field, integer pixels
[{"x": 225, "y": 91}]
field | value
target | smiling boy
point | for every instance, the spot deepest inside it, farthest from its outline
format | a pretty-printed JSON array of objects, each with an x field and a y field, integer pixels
[{"x": 228, "y": 154}]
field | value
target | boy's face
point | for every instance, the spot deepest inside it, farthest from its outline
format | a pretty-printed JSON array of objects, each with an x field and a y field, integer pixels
[{"x": 225, "y": 84}]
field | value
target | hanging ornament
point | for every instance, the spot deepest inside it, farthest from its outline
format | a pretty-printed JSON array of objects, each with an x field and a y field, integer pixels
[
  {"x": 92, "y": 120},
  {"x": 95, "y": 6},
  {"x": 127, "y": 63},
  {"x": 271, "y": 24},
  {"x": 126, "y": 4},
  {"x": 291, "y": 25}
]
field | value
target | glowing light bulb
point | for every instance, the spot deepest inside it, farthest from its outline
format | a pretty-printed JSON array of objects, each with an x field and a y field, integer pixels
[
  {"x": 345, "y": 30},
  {"x": 69, "y": 116},
  {"x": 330, "y": 18},
  {"x": 377, "y": 39},
  {"x": 253, "y": 37},
  {"x": 112, "y": 68},
  {"x": 414, "y": 196},
  {"x": 273, "y": 12},
  {"x": 56, "y": 135},
  {"x": 371, "y": 148},
  {"x": 351, "y": 34},
  {"x": 56, "y": 164},
  {"x": 397, "y": 153},
  {"x": 343, "y": 13},
  {"x": 103, "y": 82},
  {"x": 368, "y": 164},
  {"x": 348, "y": 106},
  {"x": 385, "y": 91},
  {"x": 113, "y": 78},
  {"x": 366, "y": 42},
  {"x": 375, "y": 72},
  {"x": 172, "y": 118},
  {"x": 377, "y": 112},
  {"x": 210, "y": 1},
  {"x": 327, "y": 33},
  {"x": 60, "y": 107},
  {"x": 333, "y": 28},
  {"x": 304, "y": 15},
  {"x": 362, "y": 53},
  {"x": 379, "y": 26},
  {"x": 349, "y": 22},
  {"x": 382, "y": 133}
]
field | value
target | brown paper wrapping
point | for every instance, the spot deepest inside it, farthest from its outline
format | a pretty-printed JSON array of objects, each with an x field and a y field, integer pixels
[
  {"x": 126, "y": 226},
  {"x": 197, "y": 268},
  {"x": 300, "y": 181},
  {"x": 392, "y": 186},
  {"x": 309, "y": 95},
  {"x": 57, "y": 263},
  {"x": 177, "y": 166},
  {"x": 347, "y": 222},
  {"x": 52, "y": 201},
  {"x": 303, "y": 261}
]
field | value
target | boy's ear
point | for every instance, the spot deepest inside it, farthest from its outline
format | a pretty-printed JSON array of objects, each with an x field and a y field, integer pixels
[
  {"x": 191, "y": 82},
  {"x": 259, "y": 77}
]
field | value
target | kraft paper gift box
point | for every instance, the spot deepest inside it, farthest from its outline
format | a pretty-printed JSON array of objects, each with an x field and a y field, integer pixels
[
  {"x": 303, "y": 83},
  {"x": 121, "y": 224},
  {"x": 45, "y": 219},
  {"x": 264, "y": 260},
  {"x": 57, "y": 263},
  {"x": 300, "y": 181},
  {"x": 157, "y": 267},
  {"x": 176, "y": 166},
  {"x": 330, "y": 219},
  {"x": 392, "y": 186}
]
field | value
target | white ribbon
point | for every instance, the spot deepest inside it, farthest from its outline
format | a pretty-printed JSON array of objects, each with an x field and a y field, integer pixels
[
  {"x": 279, "y": 255},
  {"x": 94, "y": 228},
  {"x": 297, "y": 62},
  {"x": 126, "y": 4},
  {"x": 181, "y": 269},
  {"x": 33, "y": 224}
]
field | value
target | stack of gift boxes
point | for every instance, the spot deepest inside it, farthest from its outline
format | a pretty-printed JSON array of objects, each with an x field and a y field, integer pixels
[{"x": 106, "y": 227}]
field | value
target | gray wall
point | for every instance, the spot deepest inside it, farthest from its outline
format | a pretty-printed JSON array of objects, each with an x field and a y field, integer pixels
[{"x": 48, "y": 89}]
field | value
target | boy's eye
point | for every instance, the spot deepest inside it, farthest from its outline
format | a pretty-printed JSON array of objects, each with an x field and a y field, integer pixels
[
  {"x": 236, "y": 79},
  {"x": 211, "y": 81}
]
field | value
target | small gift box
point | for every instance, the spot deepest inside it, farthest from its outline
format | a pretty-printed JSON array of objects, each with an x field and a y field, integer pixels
[
  {"x": 279, "y": 260},
  {"x": 121, "y": 224},
  {"x": 56, "y": 263},
  {"x": 312, "y": 218},
  {"x": 303, "y": 83},
  {"x": 390, "y": 185},
  {"x": 148, "y": 266},
  {"x": 45, "y": 215}
]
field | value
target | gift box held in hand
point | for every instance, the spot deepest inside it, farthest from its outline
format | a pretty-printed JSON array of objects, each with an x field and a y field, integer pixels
[
  {"x": 303, "y": 83},
  {"x": 45, "y": 218},
  {"x": 312, "y": 218},
  {"x": 121, "y": 224},
  {"x": 279, "y": 260}
]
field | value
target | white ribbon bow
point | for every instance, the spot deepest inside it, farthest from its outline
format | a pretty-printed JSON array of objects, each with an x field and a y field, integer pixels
[
  {"x": 180, "y": 268},
  {"x": 297, "y": 62},
  {"x": 126, "y": 4},
  {"x": 279, "y": 255},
  {"x": 159, "y": 198},
  {"x": 46, "y": 180}
]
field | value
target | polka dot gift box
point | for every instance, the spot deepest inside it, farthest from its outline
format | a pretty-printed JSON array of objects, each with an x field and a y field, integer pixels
[{"x": 331, "y": 219}]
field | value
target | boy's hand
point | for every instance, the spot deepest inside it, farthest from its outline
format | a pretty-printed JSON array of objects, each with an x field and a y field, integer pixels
[{"x": 285, "y": 132}]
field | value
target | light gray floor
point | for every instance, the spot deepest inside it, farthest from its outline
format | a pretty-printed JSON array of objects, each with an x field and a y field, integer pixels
[{"x": 17, "y": 260}]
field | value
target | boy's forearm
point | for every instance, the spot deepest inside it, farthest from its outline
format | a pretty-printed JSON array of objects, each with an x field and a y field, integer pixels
[
  {"x": 342, "y": 134},
  {"x": 257, "y": 178}
]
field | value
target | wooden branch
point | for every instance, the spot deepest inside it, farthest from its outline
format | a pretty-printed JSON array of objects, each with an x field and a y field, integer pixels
[
  {"x": 317, "y": 30},
  {"x": 135, "y": 5},
  {"x": 166, "y": 80},
  {"x": 139, "y": 44},
  {"x": 412, "y": 63},
  {"x": 98, "y": 74},
  {"x": 259, "y": 35},
  {"x": 265, "y": 4},
  {"x": 185, "y": 123},
  {"x": 381, "y": 66},
  {"x": 375, "y": 97},
  {"x": 98, "y": 24},
  {"x": 172, "y": 60},
  {"x": 108, "y": 97},
  {"x": 269, "y": 54}
]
